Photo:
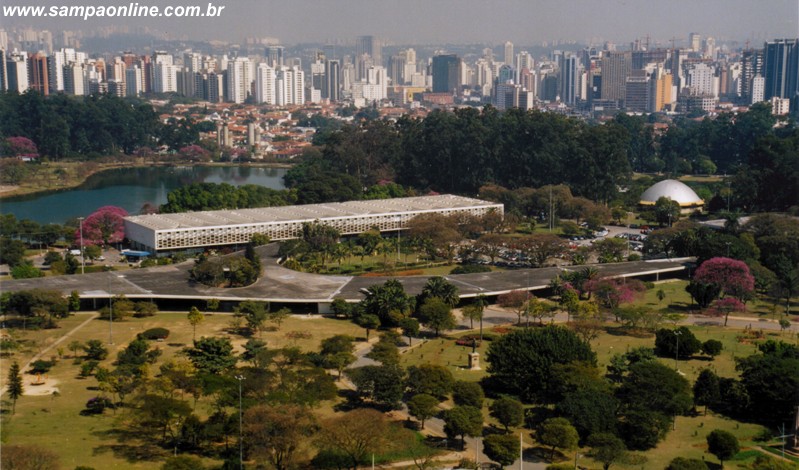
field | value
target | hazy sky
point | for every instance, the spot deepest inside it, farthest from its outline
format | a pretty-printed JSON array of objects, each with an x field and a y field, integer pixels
[{"x": 467, "y": 21}]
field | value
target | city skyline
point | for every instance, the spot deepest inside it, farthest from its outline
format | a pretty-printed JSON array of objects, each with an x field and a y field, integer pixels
[{"x": 467, "y": 21}]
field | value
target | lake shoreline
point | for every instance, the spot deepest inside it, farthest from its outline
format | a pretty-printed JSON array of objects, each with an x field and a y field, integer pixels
[{"x": 11, "y": 191}]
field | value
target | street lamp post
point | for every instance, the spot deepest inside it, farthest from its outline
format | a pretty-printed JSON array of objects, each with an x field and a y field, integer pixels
[
  {"x": 677, "y": 334},
  {"x": 241, "y": 442},
  {"x": 398, "y": 220},
  {"x": 82, "y": 257}
]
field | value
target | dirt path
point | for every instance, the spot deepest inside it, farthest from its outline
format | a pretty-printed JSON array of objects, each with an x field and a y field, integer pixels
[{"x": 43, "y": 385}]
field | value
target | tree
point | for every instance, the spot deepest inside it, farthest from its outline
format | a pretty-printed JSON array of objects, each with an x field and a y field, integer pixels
[
  {"x": 521, "y": 361},
  {"x": 103, "y": 226},
  {"x": 388, "y": 301},
  {"x": 356, "y": 434},
  {"x": 540, "y": 247},
  {"x": 712, "y": 347},
  {"x": 771, "y": 379},
  {"x": 75, "y": 346},
  {"x": 381, "y": 384},
  {"x": 276, "y": 433},
  {"x": 368, "y": 322},
  {"x": 607, "y": 449},
  {"x": 724, "y": 307},
  {"x": 557, "y": 433},
  {"x": 24, "y": 457},
  {"x": 666, "y": 211},
  {"x": 337, "y": 352},
  {"x": 722, "y": 444},
  {"x": 507, "y": 411},
  {"x": 463, "y": 421},
  {"x": 438, "y": 286},
  {"x": 279, "y": 316},
  {"x": 706, "y": 389},
  {"x": 501, "y": 448},
  {"x": 92, "y": 252},
  {"x": 515, "y": 301},
  {"x": 255, "y": 314},
  {"x": 422, "y": 406},
  {"x": 680, "y": 341},
  {"x": 436, "y": 314},
  {"x": 468, "y": 394},
  {"x": 95, "y": 350},
  {"x": 14, "y": 386},
  {"x": 195, "y": 317},
  {"x": 26, "y": 270},
  {"x": 410, "y": 328},
  {"x": 212, "y": 355},
  {"x": 431, "y": 379},
  {"x": 730, "y": 276}
]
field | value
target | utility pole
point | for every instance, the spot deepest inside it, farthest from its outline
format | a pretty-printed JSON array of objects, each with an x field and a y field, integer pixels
[
  {"x": 241, "y": 442},
  {"x": 82, "y": 256}
]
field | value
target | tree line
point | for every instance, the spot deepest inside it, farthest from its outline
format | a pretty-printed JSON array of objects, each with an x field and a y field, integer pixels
[{"x": 63, "y": 126}]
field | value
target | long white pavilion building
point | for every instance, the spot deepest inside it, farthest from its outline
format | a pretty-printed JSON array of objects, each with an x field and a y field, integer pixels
[{"x": 196, "y": 230}]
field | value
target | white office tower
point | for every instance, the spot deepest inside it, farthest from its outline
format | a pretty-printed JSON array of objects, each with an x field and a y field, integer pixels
[
  {"x": 133, "y": 81},
  {"x": 701, "y": 80},
  {"x": 347, "y": 76},
  {"x": 239, "y": 79},
  {"x": 508, "y": 59},
  {"x": 524, "y": 61},
  {"x": 318, "y": 80},
  {"x": 3, "y": 40},
  {"x": 569, "y": 78},
  {"x": 74, "y": 75},
  {"x": 17, "y": 71},
  {"x": 290, "y": 86},
  {"x": 116, "y": 70},
  {"x": 165, "y": 78},
  {"x": 265, "y": 84}
]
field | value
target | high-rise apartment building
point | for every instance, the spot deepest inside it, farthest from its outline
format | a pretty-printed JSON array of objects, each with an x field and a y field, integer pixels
[
  {"x": 781, "y": 68},
  {"x": 265, "y": 84},
  {"x": 133, "y": 81},
  {"x": 446, "y": 73},
  {"x": 239, "y": 79},
  {"x": 290, "y": 86},
  {"x": 695, "y": 40},
  {"x": 701, "y": 80}
]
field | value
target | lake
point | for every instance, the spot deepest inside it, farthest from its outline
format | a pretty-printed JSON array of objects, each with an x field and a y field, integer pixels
[{"x": 131, "y": 188}]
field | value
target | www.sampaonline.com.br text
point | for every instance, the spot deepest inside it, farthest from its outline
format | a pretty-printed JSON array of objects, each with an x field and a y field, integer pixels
[{"x": 133, "y": 9}]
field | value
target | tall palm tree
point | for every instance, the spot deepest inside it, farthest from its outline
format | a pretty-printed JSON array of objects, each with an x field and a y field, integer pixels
[{"x": 439, "y": 287}]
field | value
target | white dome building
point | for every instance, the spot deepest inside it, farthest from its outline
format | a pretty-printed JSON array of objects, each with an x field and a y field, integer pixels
[{"x": 674, "y": 190}]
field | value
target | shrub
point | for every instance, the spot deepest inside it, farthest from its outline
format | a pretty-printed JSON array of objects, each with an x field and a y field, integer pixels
[
  {"x": 96, "y": 406},
  {"x": 470, "y": 268},
  {"x": 87, "y": 368},
  {"x": 712, "y": 347},
  {"x": 41, "y": 367},
  {"x": 154, "y": 334}
]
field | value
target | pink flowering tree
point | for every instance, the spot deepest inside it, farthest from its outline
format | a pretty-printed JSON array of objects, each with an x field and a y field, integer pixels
[
  {"x": 21, "y": 147},
  {"x": 730, "y": 276},
  {"x": 195, "y": 153},
  {"x": 724, "y": 307},
  {"x": 612, "y": 292},
  {"x": 103, "y": 226}
]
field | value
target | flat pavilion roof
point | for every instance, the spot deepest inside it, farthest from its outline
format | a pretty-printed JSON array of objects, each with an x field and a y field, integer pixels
[{"x": 185, "y": 220}]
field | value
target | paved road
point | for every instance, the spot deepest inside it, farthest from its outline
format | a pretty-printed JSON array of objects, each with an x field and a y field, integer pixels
[{"x": 278, "y": 284}]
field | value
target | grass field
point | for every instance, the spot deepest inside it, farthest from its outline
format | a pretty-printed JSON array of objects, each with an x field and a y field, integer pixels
[{"x": 54, "y": 421}]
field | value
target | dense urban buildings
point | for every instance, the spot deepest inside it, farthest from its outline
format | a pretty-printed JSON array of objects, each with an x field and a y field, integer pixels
[{"x": 693, "y": 75}]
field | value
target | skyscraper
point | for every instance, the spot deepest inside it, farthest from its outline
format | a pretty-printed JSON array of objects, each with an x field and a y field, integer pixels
[
  {"x": 751, "y": 67},
  {"x": 265, "y": 84},
  {"x": 509, "y": 53},
  {"x": 17, "y": 71},
  {"x": 781, "y": 68},
  {"x": 274, "y": 56},
  {"x": 569, "y": 76},
  {"x": 615, "y": 70},
  {"x": 370, "y": 45},
  {"x": 446, "y": 73},
  {"x": 39, "y": 81},
  {"x": 332, "y": 84}
]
